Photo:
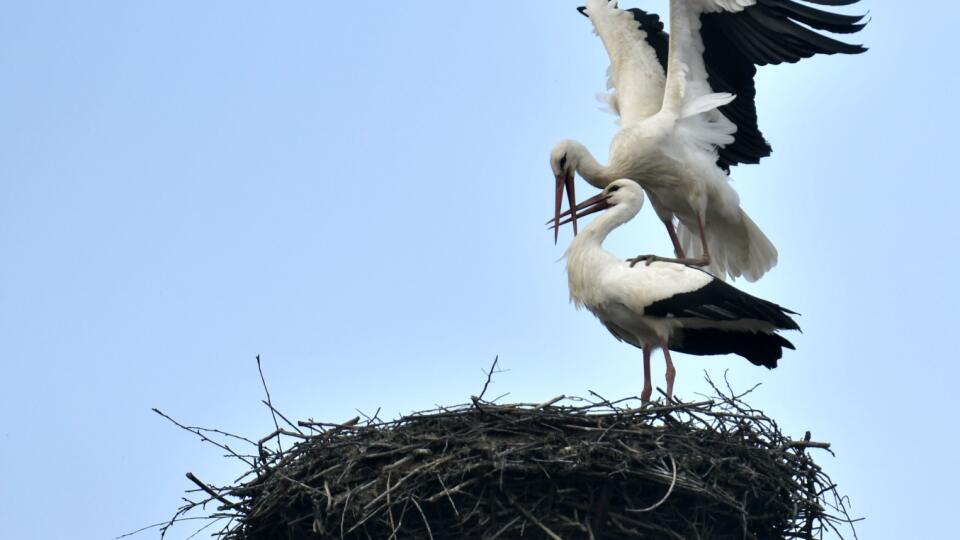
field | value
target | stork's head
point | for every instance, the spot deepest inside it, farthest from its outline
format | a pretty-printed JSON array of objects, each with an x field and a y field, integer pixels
[
  {"x": 564, "y": 161},
  {"x": 623, "y": 191}
]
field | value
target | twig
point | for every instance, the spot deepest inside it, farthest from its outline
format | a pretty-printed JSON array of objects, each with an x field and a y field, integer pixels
[
  {"x": 548, "y": 403},
  {"x": 449, "y": 498},
  {"x": 486, "y": 383},
  {"x": 211, "y": 492},
  {"x": 532, "y": 519},
  {"x": 200, "y": 433},
  {"x": 282, "y": 417},
  {"x": 426, "y": 522},
  {"x": 163, "y": 523},
  {"x": 673, "y": 482},
  {"x": 808, "y": 444},
  {"x": 273, "y": 411},
  {"x": 428, "y": 465}
]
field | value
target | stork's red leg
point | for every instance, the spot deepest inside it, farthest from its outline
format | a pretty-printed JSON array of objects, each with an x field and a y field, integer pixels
[
  {"x": 705, "y": 258},
  {"x": 671, "y": 372},
  {"x": 672, "y": 231},
  {"x": 647, "y": 386}
]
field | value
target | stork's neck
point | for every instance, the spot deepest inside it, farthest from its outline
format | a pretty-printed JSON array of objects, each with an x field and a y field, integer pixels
[
  {"x": 590, "y": 169},
  {"x": 596, "y": 232},
  {"x": 586, "y": 258}
]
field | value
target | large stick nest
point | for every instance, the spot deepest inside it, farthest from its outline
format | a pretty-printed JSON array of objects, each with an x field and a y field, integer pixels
[{"x": 572, "y": 468}]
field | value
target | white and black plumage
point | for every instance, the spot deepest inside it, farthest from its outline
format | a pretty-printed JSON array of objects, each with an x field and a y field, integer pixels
[
  {"x": 687, "y": 113},
  {"x": 664, "y": 304}
]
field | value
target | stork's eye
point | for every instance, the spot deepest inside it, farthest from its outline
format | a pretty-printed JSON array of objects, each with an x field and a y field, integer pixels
[{"x": 612, "y": 189}]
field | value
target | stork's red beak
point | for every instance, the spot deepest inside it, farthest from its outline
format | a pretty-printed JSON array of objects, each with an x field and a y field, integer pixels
[
  {"x": 590, "y": 206},
  {"x": 564, "y": 183}
]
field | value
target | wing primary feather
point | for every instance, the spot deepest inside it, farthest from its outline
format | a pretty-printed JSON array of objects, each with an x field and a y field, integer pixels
[
  {"x": 718, "y": 300},
  {"x": 768, "y": 32}
]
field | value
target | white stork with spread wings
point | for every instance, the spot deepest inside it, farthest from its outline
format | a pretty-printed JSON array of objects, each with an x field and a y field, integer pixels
[{"x": 687, "y": 114}]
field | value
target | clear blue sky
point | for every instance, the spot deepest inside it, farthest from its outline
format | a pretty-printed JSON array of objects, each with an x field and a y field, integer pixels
[{"x": 356, "y": 191}]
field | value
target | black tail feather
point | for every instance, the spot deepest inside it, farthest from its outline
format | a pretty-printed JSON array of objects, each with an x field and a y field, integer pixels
[{"x": 760, "y": 348}]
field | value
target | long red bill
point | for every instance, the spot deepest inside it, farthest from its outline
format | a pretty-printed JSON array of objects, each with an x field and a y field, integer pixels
[
  {"x": 565, "y": 213},
  {"x": 590, "y": 206},
  {"x": 556, "y": 208},
  {"x": 572, "y": 202},
  {"x": 564, "y": 183}
]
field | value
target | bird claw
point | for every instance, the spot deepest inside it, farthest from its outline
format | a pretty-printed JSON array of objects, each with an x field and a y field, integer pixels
[{"x": 642, "y": 258}]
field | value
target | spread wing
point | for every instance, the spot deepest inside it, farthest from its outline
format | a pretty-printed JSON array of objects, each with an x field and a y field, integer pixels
[
  {"x": 637, "y": 47},
  {"x": 732, "y": 37},
  {"x": 688, "y": 98}
]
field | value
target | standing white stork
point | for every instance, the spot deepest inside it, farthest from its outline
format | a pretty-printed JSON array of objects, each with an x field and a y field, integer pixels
[
  {"x": 664, "y": 304},
  {"x": 687, "y": 113}
]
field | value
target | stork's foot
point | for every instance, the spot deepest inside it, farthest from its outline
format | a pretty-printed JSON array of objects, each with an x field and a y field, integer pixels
[
  {"x": 643, "y": 258},
  {"x": 699, "y": 261},
  {"x": 649, "y": 259}
]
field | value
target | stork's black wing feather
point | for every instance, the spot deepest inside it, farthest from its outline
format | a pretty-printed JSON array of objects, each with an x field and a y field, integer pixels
[
  {"x": 720, "y": 301},
  {"x": 769, "y": 32},
  {"x": 657, "y": 37}
]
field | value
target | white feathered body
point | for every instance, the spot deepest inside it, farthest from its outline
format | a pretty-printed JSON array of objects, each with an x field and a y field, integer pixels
[
  {"x": 672, "y": 160},
  {"x": 618, "y": 294}
]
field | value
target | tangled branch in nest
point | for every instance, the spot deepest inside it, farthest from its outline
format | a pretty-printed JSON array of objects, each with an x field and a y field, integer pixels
[{"x": 568, "y": 468}]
